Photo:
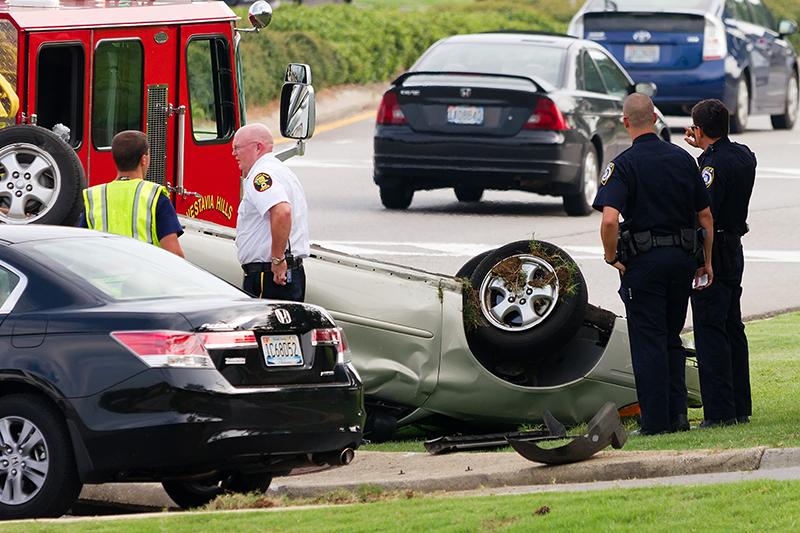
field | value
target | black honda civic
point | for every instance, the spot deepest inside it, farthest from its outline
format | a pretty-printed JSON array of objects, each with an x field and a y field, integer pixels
[
  {"x": 506, "y": 111},
  {"x": 122, "y": 362}
]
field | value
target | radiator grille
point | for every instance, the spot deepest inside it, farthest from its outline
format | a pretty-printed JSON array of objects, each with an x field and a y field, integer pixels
[{"x": 157, "y": 115}]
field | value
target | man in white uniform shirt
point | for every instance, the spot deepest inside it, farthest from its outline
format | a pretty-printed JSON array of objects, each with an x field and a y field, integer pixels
[{"x": 272, "y": 225}]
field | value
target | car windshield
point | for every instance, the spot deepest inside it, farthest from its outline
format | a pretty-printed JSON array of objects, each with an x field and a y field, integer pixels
[
  {"x": 126, "y": 269},
  {"x": 649, "y": 5},
  {"x": 524, "y": 59}
]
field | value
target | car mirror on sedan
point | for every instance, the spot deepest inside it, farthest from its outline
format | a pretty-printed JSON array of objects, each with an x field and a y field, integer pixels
[{"x": 647, "y": 88}]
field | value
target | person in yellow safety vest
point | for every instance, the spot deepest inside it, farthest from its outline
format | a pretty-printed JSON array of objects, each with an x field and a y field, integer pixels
[{"x": 131, "y": 205}]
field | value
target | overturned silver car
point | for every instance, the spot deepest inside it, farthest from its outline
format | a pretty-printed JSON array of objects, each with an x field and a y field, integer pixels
[{"x": 510, "y": 336}]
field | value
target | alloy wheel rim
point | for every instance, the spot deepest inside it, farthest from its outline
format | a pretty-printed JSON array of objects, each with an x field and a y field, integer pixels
[
  {"x": 524, "y": 304},
  {"x": 24, "y": 460},
  {"x": 792, "y": 100},
  {"x": 743, "y": 104},
  {"x": 29, "y": 183},
  {"x": 590, "y": 177}
]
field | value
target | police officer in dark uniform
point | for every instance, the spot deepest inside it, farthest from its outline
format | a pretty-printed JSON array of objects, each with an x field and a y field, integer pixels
[
  {"x": 657, "y": 188},
  {"x": 729, "y": 171}
]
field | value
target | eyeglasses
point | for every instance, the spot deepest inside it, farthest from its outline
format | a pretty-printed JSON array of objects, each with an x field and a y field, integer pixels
[
  {"x": 693, "y": 127},
  {"x": 238, "y": 147}
]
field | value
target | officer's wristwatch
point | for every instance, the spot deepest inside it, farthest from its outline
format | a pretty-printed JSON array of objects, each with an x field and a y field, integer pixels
[
  {"x": 278, "y": 260},
  {"x": 612, "y": 261}
]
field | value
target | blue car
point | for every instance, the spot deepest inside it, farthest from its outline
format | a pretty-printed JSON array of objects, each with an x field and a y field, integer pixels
[{"x": 733, "y": 50}]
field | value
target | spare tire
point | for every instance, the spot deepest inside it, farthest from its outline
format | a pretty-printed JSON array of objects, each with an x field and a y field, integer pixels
[
  {"x": 41, "y": 178},
  {"x": 531, "y": 297}
]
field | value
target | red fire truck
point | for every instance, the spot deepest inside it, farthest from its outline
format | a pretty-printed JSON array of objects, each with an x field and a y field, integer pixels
[{"x": 73, "y": 73}]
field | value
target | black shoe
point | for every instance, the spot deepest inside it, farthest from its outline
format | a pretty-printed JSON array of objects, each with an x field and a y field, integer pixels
[
  {"x": 644, "y": 433},
  {"x": 712, "y": 423},
  {"x": 742, "y": 419},
  {"x": 681, "y": 423}
]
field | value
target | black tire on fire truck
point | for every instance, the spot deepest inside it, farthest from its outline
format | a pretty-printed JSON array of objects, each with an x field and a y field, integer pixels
[{"x": 41, "y": 178}]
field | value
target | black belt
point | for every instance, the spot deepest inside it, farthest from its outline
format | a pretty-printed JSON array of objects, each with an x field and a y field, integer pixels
[
  {"x": 666, "y": 240},
  {"x": 254, "y": 268}
]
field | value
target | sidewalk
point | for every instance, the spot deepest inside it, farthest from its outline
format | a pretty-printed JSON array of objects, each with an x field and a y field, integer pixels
[{"x": 458, "y": 472}]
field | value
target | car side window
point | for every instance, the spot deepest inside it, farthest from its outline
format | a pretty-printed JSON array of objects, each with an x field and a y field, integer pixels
[
  {"x": 592, "y": 81},
  {"x": 616, "y": 81},
  {"x": 761, "y": 15},
  {"x": 8, "y": 281}
]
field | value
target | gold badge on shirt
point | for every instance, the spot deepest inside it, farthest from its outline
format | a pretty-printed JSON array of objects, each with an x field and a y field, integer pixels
[
  {"x": 708, "y": 176},
  {"x": 262, "y": 182}
]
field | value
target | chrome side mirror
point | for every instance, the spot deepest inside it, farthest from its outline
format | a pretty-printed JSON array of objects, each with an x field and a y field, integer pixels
[
  {"x": 298, "y": 111},
  {"x": 787, "y": 27},
  {"x": 298, "y": 73},
  {"x": 260, "y": 15},
  {"x": 646, "y": 88}
]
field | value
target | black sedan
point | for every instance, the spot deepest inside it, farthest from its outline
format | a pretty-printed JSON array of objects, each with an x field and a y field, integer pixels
[
  {"x": 531, "y": 112},
  {"x": 120, "y": 361}
]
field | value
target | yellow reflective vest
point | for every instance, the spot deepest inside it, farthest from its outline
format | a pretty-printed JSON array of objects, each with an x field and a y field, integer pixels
[{"x": 124, "y": 207}]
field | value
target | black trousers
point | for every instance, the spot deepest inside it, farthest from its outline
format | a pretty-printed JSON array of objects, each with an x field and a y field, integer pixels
[
  {"x": 260, "y": 284},
  {"x": 723, "y": 357},
  {"x": 655, "y": 290}
]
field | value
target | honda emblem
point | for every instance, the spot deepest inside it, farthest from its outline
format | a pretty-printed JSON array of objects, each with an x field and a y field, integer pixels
[
  {"x": 283, "y": 316},
  {"x": 466, "y": 92},
  {"x": 642, "y": 36}
]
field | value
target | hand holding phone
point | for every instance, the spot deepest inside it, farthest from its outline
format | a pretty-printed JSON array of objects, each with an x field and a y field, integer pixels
[{"x": 700, "y": 282}]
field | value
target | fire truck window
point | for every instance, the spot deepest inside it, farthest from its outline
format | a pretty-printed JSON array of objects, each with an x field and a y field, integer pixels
[
  {"x": 118, "y": 90},
  {"x": 9, "y": 101},
  {"x": 208, "y": 70},
  {"x": 59, "y": 88}
]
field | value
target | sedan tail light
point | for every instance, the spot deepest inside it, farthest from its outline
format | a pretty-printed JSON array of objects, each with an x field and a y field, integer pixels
[
  {"x": 226, "y": 340},
  {"x": 715, "y": 45},
  {"x": 165, "y": 348},
  {"x": 389, "y": 112},
  {"x": 546, "y": 116},
  {"x": 332, "y": 337}
]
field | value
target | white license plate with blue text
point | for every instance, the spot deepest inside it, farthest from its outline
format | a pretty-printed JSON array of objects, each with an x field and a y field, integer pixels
[
  {"x": 465, "y": 114},
  {"x": 282, "y": 350}
]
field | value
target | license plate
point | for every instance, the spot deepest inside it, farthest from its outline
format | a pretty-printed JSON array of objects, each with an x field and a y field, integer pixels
[
  {"x": 464, "y": 114},
  {"x": 642, "y": 53},
  {"x": 282, "y": 350}
]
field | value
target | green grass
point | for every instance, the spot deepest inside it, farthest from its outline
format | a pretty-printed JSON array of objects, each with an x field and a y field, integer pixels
[
  {"x": 745, "y": 506},
  {"x": 775, "y": 381},
  {"x": 408, "y": 4}
]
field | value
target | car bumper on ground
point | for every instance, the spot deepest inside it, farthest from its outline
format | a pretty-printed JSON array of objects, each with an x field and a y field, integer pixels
[
  {"x": 546, "y": 162},
  {"x": 164, "y": 423}
]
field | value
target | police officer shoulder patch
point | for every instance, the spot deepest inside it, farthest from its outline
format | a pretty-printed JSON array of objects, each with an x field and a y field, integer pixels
[
  {"x": 262, "y": 182},
  {"x": 708, "y": 176},
  {"x": 607, "y": 174}
]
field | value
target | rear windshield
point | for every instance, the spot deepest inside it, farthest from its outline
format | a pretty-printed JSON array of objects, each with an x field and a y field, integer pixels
[
  {"x": 524, "y": 59},
  {"x": 126, "y": 269},
  {"x": 649, "y": 5}
]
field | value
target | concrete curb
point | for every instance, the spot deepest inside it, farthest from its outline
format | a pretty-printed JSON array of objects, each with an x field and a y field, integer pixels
[{"x": 470, "y": 471}]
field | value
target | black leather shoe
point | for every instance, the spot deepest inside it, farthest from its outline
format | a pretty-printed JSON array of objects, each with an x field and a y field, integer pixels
[
  {"x": 712, "y": 423},
  {"x": 681, "y": 423},
  {"x": 742, "y": 419}
]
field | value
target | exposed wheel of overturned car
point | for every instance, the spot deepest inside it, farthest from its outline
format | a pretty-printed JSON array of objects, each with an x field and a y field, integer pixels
[
  {"x": 41, "y": 178},
  {"x": 526, "y": 297},
  {"x": 189, "y": 493}
]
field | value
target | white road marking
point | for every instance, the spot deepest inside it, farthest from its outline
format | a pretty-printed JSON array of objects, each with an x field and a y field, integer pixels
[{"x": 453, "y": 249}]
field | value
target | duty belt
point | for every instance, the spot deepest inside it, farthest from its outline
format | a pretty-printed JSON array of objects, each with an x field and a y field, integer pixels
[
  {"x": 254, "y": 268},
  {"x": 666, "y": 240}
]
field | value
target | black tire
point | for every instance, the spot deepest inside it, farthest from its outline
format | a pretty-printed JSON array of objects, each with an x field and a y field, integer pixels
[
  {"x": 63, "y": 175},
  {"x": 553, "y": 324},
  {"x": 469, "y": 267},
  {"x": 579, "y": 204},
  {"x": 397, "y": 197},
  {"x": 380, "y": 425},
  {"x": 468, "y": 194},
  {"x": 739, "y": 116},
  {"x": 61, "y": 484},
  {"x": 786, "y": 121},
  {"x": 196, "y": 493}
]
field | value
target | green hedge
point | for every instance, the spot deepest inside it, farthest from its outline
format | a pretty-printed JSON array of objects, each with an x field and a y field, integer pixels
[{"x": 349, "y": 44}]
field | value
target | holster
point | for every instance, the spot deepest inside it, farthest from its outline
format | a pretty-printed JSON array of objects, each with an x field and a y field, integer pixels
[{"x": 643, "y": 241}]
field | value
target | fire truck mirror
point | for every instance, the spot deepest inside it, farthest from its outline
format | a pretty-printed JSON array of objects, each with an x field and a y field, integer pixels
[
  {"x": 260, "y": 14},
  {"x": 298, "y": 111},
  {"x": 298, "y": 73}
]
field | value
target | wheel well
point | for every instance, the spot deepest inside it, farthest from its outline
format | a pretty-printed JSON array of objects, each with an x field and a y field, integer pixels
[
  {"x": 598, "y": 146},
  {"x": 17, "y": 387},
  {"x": 746, "y": 74}
]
